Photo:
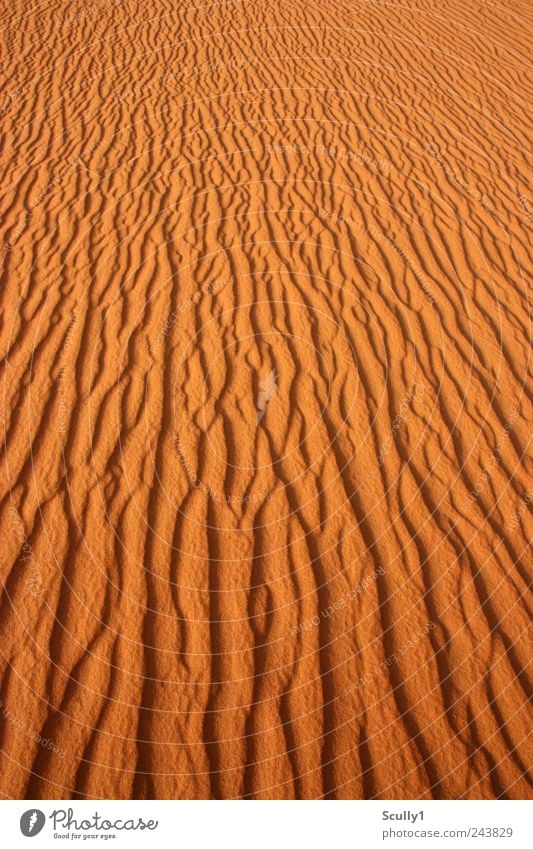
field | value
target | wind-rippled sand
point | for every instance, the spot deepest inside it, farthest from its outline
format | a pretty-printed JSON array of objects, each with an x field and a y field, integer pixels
[{"x": 265, "y": 346}]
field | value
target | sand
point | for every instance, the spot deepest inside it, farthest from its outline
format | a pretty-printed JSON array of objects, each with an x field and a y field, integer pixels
[{"x": 265, "y": 340}]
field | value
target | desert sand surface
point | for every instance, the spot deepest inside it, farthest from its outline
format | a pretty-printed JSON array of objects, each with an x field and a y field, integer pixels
[{"x": 264, "y": 347}]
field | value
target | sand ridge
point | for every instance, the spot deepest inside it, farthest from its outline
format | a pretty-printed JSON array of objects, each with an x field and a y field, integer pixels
[{"x": 265, "y": 353}]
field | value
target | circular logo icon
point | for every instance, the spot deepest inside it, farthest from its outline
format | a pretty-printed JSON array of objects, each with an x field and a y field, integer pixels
[{"x": 32, "y": 822}]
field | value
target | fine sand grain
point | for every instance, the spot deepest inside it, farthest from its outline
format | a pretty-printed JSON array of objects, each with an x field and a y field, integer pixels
[{"x": 264, "y": 346}]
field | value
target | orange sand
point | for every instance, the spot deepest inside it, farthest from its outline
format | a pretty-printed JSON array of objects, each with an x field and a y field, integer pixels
[{"x": 264, "y": 345}]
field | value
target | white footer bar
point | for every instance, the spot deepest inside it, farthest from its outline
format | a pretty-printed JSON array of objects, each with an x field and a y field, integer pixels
[{"x": 268, "y": 824}]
